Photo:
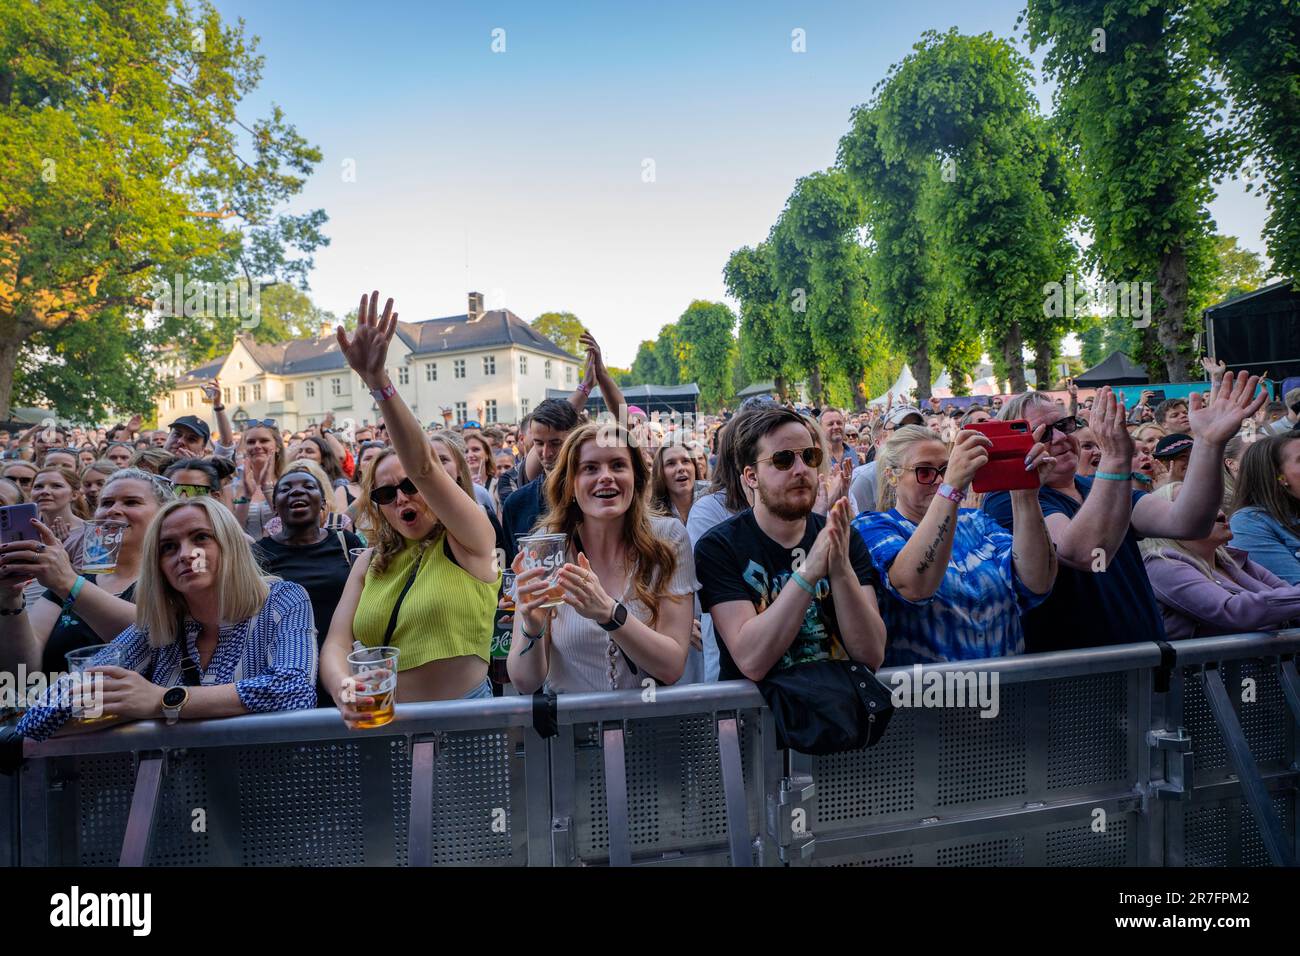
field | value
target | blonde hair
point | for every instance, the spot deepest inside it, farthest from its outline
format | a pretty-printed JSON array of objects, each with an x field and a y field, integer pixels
[
  {"x": 78, "y": 503},
  {"x": 455, "y": 444},
  {"x": 889, "y": 459},
  {"x": 241, "y": 588},
  {"x": 1158, "y": 546}
]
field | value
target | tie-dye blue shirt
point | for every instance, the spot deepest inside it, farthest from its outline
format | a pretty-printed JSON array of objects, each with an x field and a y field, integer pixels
[{"x": 976, "y": 611}]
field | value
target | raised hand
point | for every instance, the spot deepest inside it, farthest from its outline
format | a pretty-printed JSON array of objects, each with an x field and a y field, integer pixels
[
  {"x": 970, "y": 453},
  {"x": 1232, "y": 401},
  {"x": 1109, "y": 423},
  {"x": 588, "y": 342},
  {"x": 367, "y": 348},
  {"x": 1038, "y": 459}
]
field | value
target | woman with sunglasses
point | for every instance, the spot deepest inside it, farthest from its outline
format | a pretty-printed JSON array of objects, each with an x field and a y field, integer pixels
[
  {"x": 212, "y": 636},
  {"x": 953, "y": 583},
  {"x": 1206, "y": 588},
  {"x": 197, "y": 477},
  {"x": 428, "y": 586},
  {"x": 76, "y": 610}
]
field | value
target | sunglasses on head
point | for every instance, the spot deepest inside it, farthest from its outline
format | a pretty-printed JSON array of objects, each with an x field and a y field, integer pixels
[
  {"x": 387, "y": 494},
  {"x": 783, "y": 460},
  {"x": 1066, "y": 426},
  {"x": 191, "y": 491},
  {"x": 259, "y": 423}
]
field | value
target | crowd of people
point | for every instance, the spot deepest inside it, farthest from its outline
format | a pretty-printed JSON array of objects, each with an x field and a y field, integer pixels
[{"x": 253, "y": 563}]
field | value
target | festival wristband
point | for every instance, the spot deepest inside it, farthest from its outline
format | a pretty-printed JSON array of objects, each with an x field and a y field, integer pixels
[
  {"x": 383, "y": 394},
  {"x": 585, "y": 388},
  {"x": 1111, "y": 476},
  {"x": 799, "y": 580},
  {"x": 952, "y": 494},
  {"x": 74, "y": 593}
]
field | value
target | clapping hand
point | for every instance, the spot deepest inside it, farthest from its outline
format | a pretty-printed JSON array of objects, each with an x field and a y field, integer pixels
[{"x": 1232, "y": 401}]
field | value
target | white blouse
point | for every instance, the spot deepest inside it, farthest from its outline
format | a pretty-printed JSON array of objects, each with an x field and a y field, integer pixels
[{"x": 583, "y": 656}]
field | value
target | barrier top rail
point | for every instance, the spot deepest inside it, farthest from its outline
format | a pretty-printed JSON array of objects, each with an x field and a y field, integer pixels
[{"x": 513, "y": 711}]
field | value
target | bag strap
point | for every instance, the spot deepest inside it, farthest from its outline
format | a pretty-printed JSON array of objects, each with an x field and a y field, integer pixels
[
  {"x": 392, "y": 619},
  {"x": 343, "y": 545}
]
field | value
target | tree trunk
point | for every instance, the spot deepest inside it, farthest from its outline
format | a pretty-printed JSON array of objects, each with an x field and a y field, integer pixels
[
  {"x": 1043, "y": 365},
  {"x": 815, "y": 387},
  {"x": 1012, "y": 343},
  {"x": 8, "y": 362},
  {"x": 920, "y": 360},
  {"x": 1171, "y": 331},
  {"x": 779, "y": 382},
  {"x": 860, "y": 397}
]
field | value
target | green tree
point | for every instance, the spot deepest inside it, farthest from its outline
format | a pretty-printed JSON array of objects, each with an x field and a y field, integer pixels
[
  {"x": 1092, "y": 341},
  {"x": 1237, "y": 270},
  {"x": 750, "y": 275},
  {"x": 668, "y": 356},
  {"x": 1134, "y": 91},
  {"x": 123, "y": 161},
  {"x": 706, "y": 331},
  {"x": 793, "y": 271},
  {"x": 562, "y": 328},
  {"x": 1257, "y": 47},
  {"x": 645, "y": 367}
]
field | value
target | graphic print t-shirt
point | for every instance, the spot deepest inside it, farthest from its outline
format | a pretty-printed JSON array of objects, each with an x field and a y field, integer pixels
[{"x": 736, "y": 561}]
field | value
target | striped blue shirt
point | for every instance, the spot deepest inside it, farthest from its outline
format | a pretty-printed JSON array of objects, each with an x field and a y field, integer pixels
[
  {"x": 270, "y": 658},
  {"x": 976, "y": 611}
]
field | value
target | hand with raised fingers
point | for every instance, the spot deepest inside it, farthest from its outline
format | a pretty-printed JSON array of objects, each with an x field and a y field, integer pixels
[
  {"x": 1233, "y": 399},
  {"x": 367, "y": 348}
]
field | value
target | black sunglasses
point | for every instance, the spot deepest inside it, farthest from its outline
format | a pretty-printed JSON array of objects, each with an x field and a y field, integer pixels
[
  {"x": 784, "y": 459},
  {"x": 1066, "y": 426},
  {"x": 387, "y": 494},
  {"x": 927, "y": 474}
]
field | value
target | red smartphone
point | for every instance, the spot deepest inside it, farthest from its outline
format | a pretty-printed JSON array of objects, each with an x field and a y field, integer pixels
[
  {"x": 1005, "y": 470},
  {"x": 16, "y": 523}
]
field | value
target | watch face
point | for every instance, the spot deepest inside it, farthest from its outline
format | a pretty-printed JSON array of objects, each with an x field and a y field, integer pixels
[
  {"x": 620, "y": 614},
  {"x": 174, "y": 697}
]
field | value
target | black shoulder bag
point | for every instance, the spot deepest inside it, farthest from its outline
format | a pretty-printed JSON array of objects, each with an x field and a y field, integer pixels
[{"x": 827, "y": 707}]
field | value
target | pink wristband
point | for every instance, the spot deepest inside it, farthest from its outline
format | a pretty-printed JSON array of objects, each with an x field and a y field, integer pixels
[
  {"x": 383, "y": 394},
  {"x": 952, "y": 494}
]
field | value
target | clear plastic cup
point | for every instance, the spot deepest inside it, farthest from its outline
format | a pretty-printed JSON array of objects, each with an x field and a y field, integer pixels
[
  {"x": 87, "y": 705},
  {"x": 101, "y": 543},
  {"x": 374, "y": 684},
  {"x": 546, "y": 551}
]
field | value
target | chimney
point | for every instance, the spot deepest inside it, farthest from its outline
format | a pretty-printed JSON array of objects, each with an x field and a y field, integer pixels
[
  {"x": 475, "y": 306},
  {"x": 326, "y": 330}
]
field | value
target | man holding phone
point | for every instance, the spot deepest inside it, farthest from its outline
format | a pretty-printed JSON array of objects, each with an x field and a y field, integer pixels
[{"x": 1102, "y": 595}]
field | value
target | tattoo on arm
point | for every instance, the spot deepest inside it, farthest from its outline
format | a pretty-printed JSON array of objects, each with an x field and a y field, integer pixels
[{"x": 933, "y": 549}]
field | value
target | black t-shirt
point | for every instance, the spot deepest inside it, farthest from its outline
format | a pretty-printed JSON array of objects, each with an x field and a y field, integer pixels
[
  {"x": 322, "y": 569},
  {"x": 1087, "y": 608},
  {"x": 519, "y": 513},
  {"x": 736, "y": 561},
  {"x": 71, "y": 632}
]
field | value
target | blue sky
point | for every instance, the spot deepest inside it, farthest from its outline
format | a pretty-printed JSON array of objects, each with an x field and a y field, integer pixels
[{"x": 520, "y": 174}]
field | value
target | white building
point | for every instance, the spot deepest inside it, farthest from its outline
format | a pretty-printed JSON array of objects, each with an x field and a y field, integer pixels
[{"x": 490, "y": 366}]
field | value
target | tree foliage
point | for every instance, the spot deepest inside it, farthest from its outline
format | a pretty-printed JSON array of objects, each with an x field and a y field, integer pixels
[
  {"x": 706, "y": 333},
  {"x": 562, "y": 328},
  {"x": 123, "y": 157},
  {"x": 750, "y": 276}
]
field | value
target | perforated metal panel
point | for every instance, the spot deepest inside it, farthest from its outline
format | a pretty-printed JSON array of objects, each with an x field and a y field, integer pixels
[
  {"x": 1253, "y": 852},
  {"x": 1088, "y": 731},
  {"x": 872, "y": 783},
  {"x": 1198, "y": 719},
  {"x": 674, "y": 786},
  {"x": 886, "y": 859},
  {"x": 1003, "y": 851},
  {"x": 104, "y": 785},
  {"x": 301, "y": 805},
  {"x": 1265, "y": 720},
  {"x": 983, "y": 759},
  {"x": 180, "y": 834},
  {"x": 473, "y": 809},
  {"x": 1205, "y": 835},
  {"x": 1080, "y": 845}
]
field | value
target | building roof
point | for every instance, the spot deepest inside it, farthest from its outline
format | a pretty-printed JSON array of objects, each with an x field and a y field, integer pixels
[
  {"x": 453, "y": 333},
  {"x": 1282, "y": 285}
]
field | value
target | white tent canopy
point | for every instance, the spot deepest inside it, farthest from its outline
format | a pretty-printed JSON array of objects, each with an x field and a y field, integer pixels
[{"x": 904, "y": 384}]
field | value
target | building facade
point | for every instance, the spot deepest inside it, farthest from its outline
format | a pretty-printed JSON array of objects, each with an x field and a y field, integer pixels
[{"x": 485, "y": 366}]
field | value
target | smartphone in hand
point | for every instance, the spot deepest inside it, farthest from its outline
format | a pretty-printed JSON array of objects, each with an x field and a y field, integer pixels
[
  {"x": 16, "y": 523},
  {"x": 1005, "y": 470}
]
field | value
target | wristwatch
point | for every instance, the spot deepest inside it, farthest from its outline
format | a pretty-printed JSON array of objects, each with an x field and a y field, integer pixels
[
  {"x": 173, "y": 700},
  {"x": 618, "y": 618}
]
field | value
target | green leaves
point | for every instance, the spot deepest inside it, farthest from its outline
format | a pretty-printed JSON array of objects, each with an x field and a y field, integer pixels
[{"x": 562, "y": 328}]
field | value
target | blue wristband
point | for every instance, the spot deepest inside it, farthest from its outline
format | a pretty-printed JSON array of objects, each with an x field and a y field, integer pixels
[
  {"x": 799, "y": 580},
  {"x": 72, "y": 595},
  {"x": 1111, "y": 476}
]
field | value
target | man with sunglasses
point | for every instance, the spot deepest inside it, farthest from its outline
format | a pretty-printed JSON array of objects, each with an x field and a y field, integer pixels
[
  {"x": 785, "y": 585},
  {"x": 1102, "y": 594}
]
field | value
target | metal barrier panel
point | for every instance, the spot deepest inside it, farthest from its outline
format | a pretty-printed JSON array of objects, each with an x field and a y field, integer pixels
[
  {"x": 1053, "y": 779},
  {"x": 1084, "y": 764},
  {"x": 1213, "y": 825}
]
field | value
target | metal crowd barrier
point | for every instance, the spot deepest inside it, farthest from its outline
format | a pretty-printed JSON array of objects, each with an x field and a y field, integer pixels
[{"x": 1142, "y": 754}]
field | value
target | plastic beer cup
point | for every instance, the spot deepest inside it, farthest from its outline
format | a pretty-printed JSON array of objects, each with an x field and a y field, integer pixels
[{"x": 374, "y": 684}]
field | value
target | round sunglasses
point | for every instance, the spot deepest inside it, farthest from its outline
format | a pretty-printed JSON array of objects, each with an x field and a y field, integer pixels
[
  {"x": 387, "y": 494},
  {"x": 783, "y": 460}
]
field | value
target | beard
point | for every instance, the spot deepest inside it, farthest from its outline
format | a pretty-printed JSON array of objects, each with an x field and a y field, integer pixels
[{"x": 788, "y": 505}]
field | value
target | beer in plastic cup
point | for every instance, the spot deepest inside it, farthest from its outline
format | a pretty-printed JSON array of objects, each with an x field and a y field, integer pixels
[
  {"x": 546, "y": 551},
  {"x": 101, "y": 542},
  {"x": 374, "y": 684},
  {"x": 86, "y": 688}
]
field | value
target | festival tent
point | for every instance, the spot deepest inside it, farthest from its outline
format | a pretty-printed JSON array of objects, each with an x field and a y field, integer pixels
[{"x": 1117, "y": 369}]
